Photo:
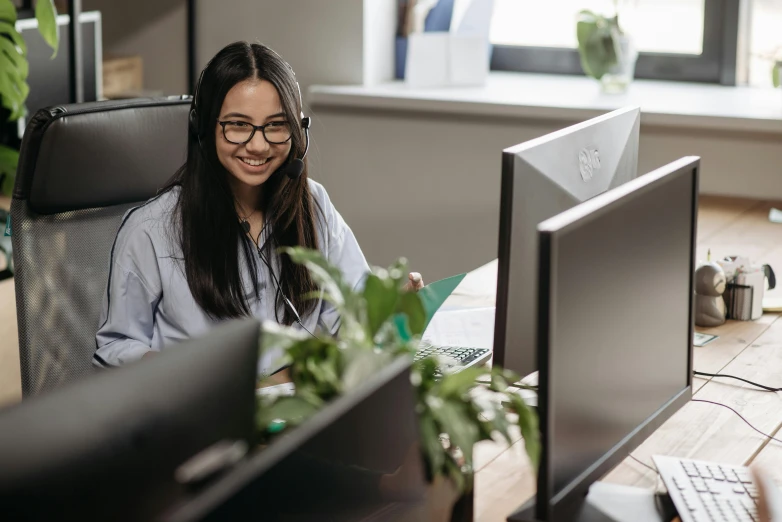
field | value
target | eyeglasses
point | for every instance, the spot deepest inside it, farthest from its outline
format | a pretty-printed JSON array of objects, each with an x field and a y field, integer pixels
[{"x": 240, "y": 132}]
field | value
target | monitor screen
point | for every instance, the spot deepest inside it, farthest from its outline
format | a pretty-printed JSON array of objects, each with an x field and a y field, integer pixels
[
  {"x": 540, "y": 179},
  {"x": 615, "y": 341},
  {"x": 107, "y": 447},
  {"x": 358, "y": 458},
  {"x": 49, "y": 78}
]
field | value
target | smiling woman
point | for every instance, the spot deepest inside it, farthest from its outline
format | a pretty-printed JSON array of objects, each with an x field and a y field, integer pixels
[{"x": 206, "y": 248}]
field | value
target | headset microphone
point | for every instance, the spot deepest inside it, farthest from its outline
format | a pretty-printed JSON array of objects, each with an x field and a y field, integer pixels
[{"x": 296, "y": 166}]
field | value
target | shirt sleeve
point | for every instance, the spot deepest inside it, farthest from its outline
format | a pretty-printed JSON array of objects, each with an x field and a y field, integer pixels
[
  {"x": 133, "y": 292},
  {"x": 343, "y": 251}
]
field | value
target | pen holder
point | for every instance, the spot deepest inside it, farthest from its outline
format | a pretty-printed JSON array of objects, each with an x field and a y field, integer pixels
[{"x": 746, "y": 286}]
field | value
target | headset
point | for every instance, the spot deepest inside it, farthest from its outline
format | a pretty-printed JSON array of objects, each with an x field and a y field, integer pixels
[
  {"x": 295, "y": 166},
  {"x": 293, "y": 169}
]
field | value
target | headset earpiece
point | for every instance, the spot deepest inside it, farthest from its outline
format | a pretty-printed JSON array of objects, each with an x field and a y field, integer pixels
[{"x": 193, "y": 122}]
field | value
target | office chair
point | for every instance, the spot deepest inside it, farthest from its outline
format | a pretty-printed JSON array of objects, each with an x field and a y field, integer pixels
[{"x": 80, "y": 168}]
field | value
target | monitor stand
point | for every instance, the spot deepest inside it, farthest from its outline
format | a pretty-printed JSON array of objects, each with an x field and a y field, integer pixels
[{"x": 612, "y": 503}]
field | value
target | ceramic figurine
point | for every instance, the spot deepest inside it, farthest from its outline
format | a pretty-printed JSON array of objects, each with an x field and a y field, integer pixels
[{"x": 709, "y": 285}]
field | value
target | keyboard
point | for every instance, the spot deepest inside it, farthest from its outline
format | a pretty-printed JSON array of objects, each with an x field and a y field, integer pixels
[
  {"x": 454, "y": 357},
  {"x": 707, "y": 491}
]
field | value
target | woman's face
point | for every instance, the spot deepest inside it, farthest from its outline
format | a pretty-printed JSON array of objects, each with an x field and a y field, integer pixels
[{"x": 256, "y": 102}]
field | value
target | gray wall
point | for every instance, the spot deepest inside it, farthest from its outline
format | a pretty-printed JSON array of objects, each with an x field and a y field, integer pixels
[
  {"x": 154, "y": 29},
  {"x": 321, "y": 39},
  {"x": 427, "y": 187}
]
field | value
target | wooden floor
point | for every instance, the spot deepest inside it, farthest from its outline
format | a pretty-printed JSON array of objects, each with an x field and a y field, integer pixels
[{"x": 749, "y": 349}]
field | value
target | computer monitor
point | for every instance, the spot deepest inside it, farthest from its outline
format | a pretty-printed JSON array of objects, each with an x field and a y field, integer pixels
[
  {"x": 358, "y": 458},
  {"x": 615, "y": 330},
  {"x": 107, "y": 447},
  {"x": 49, "y": 79},
  {"x": 540, "y": 179}
]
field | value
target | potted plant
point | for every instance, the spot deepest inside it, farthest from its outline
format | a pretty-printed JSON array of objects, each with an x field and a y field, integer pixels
[
  {"x": 455, "y": 410},
  {"x": 606, "y": 50},
  {"x": 13, "y": 74},
  {"x": 774, "y": 59}
]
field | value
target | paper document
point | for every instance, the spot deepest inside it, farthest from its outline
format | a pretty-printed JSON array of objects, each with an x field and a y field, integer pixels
[
  {"x": 470, "y": 327},
  {"x": 702, "y": 339},
  {"x": 285, "y": 389},
  {"x": 472, "y": 17}
]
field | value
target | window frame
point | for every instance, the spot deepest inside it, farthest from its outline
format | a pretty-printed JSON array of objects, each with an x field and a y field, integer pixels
[{"x": 716, "y": 64}]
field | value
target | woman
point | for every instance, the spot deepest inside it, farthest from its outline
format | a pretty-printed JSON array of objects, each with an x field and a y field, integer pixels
[{"x": 205, "y": 249}]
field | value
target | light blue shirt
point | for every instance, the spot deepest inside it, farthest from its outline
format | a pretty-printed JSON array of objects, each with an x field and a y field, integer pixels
[{"x": 148, "y": 304}]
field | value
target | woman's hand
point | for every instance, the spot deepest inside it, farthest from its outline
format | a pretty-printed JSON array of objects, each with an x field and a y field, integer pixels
[{"x": 415, "y": 282}]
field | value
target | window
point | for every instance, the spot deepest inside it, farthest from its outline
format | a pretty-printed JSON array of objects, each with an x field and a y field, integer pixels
[
  {"x": 677, "y": 39},
  {"x": 765, "y": 44}
]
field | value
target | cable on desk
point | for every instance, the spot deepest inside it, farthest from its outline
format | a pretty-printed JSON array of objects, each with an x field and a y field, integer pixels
[
  {"x": 643, "y": 464},
  {"x": 657, "y": 504},
  {"x": 740, "y": 416},
  {"x": 761, "y": 386}
]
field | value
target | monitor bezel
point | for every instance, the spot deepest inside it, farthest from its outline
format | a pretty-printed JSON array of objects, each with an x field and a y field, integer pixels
[
  {"x": 505, "y": 236},
  {"x": 569, "y": 500}
]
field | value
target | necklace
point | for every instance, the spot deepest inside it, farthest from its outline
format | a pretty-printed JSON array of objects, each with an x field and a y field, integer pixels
[{"x": 244, "y": 221}]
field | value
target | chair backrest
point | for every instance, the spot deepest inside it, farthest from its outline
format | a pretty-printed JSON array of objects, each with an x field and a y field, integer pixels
[{"x": 81, "y": 167}]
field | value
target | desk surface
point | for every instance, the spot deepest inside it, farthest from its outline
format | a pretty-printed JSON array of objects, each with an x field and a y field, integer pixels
[{"x": 752, "y": 350}]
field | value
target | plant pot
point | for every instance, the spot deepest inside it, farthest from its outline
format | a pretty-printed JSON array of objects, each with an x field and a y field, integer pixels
[{"x": 620, "y": 75}]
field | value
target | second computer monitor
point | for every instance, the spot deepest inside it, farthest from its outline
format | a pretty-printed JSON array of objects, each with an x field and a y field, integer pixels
[
  {"x": 614, "y": 332},
  {"x": 540, "y": 179}
]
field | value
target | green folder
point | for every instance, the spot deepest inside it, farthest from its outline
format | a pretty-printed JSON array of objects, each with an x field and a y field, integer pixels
[{"x": 432, "y": 296}]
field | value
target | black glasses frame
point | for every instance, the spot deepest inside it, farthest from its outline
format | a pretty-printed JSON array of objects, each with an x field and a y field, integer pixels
[{"x": 261, "y": 128}]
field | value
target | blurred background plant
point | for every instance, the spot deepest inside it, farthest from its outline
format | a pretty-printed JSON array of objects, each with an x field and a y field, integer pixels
[
  {"x": 607, "y": 52},
  {"x": 14, "y": 69}
]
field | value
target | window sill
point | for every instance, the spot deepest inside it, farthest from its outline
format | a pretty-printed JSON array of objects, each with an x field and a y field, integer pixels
[{"x": 560, "y": 97}]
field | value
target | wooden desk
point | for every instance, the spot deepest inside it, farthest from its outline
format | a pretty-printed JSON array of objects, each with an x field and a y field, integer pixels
[{"x": 752, "y": 350}]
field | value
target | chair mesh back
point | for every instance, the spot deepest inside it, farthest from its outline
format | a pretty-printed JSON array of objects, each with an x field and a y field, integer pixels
[
  {"x": 81, "y": 168},
  {"x": 62, "y": 283}
]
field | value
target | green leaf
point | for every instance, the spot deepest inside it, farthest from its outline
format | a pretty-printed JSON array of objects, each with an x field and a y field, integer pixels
[
  {"x": 528, "y": 423},
  {"x": 424, "y": 372},
  {"x": 381, "y": 296},
  {"x": 410, "y": 305},
  {"x": 775, "y": 74},
  {"x": 7, "y": 11},
  {"x": 8, "y": 29},
  {"x": 456, "y": 475},
  {"x": 433, "y": 448},
  {"x": 46, "y": 14},
  {"x": 350, "y": 304},
  {"x": 291, "y": 410},
  {"x": 10, "y": 92},
  {"x": 363, "y": 365},
  {"x": 461, "y": 429},
  {"x": 9, "y": 158},
  {"x": 501, "y": 425},
  {"x": 596, "y": 43},
  {"x": 455, "y": 385}
]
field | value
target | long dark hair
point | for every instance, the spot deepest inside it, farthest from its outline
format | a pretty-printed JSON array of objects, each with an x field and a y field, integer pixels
[{"x": 207, "y": 222}]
